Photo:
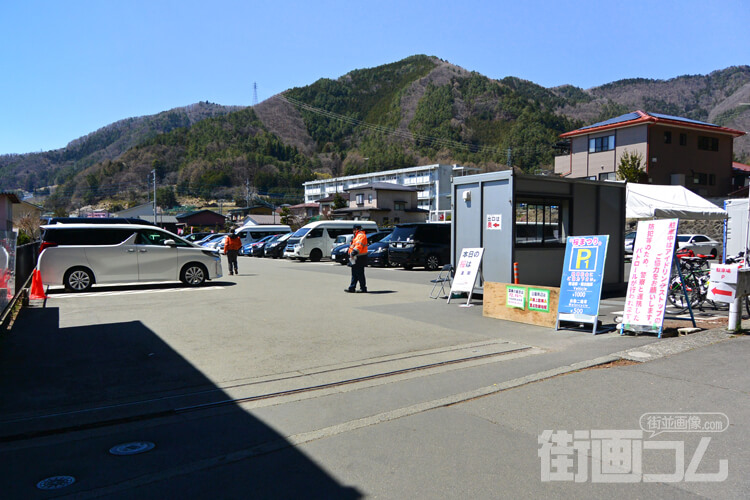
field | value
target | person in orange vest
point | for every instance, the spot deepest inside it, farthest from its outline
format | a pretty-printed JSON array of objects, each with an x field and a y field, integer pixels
[
  {"x": 358, "y": 260},
  {"x": 232, "y": 245}
]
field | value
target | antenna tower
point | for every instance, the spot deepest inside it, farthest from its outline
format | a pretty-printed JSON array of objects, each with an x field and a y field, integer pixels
[{"x": 255, "y": 93}]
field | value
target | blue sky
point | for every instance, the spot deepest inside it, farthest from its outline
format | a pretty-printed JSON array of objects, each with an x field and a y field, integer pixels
[{"x": 70, "y": 67}]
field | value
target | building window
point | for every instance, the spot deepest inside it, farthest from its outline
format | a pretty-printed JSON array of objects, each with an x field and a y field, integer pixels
[
  {"x": 667, "y": 137},
  {"x": 699, "y": 178},
  {"x": 683, "y": 139},
  {"x": 399, "y": 205},
  {"x": 397, "y": 220},
  {"x": 599, "y": 144},
  {"x": 360, "y": 199},
  {"x": 541, "y": 222},
  {"x": 609, "y": 176},
  {"x": 369, "y": 198},
  {"x": 386, "y": 221},
  {"x": 711, "y": 179},
  {"x": 708, "y": 143}
]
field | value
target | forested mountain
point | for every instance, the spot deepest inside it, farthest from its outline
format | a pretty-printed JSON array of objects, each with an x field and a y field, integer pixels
[
  {"x": 32, "y": 170},
  {"x": 416, "y": 111}
]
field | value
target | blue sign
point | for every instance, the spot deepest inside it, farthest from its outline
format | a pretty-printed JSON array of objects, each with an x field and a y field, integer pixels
[{"x": 583, "y": 273}]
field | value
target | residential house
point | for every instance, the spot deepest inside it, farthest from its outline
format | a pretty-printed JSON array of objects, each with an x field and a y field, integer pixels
[
  {"x": 675, "y": 151},
  {"x": 236, "y": 215},
  {"x": 202, "y": 219},
  {"x": 326, "y": 204},
  {"x": 7, "y": 200},
  {"x": 24, "y": 209},
  {"x": 305, "y": 211},
  {"x": 385, "y": 203}
]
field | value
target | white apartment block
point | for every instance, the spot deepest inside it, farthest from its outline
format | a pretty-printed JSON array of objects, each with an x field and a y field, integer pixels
[{"x": 433, "y": 183}]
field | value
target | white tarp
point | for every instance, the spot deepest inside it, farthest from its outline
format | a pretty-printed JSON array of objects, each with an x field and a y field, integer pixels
[{"x": 646, "y": 201}]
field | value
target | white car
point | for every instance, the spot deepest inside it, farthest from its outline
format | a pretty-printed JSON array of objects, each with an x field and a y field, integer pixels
[
  {"x": 80, "y": 255},
  {"x": 700, "y": 244}
]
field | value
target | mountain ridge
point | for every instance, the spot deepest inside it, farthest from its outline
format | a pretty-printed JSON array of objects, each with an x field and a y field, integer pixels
[{"x": 421, "y": 109}]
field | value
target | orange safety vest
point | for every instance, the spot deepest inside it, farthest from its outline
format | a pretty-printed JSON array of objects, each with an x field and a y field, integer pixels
[
  {"x": 359, "y": 243},
  {"x": 232, "y": 243}
]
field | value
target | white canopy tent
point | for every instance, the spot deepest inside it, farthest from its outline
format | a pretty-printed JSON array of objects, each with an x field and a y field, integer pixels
[{"x": 648, "y": 201}]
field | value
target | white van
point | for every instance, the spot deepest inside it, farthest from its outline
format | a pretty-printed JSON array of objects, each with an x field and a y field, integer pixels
[
  {"x": 80, "y": 255},
  {"x": 253, "y": 233},
  {"x": 314, "y": 240}
]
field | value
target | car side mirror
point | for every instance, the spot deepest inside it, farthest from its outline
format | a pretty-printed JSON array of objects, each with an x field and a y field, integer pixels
[{"x": 170, "y": 243}]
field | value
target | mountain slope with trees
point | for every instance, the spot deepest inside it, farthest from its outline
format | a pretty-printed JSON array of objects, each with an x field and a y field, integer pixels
[{"x": 419, "y": 110}]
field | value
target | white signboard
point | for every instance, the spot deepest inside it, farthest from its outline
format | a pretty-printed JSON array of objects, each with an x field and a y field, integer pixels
[
  {"x": 494, "y": 222},
  {"x": 467, "y": 270},
  {"x": 649, "y": 275},
  {"x": 722, "y": 292},
  {"x": 726, "y": 273}
]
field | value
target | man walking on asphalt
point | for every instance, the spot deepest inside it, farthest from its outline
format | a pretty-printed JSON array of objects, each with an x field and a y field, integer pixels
[
  {"x": 232, "y": 245},
  {"x": 358, "y": 260}
]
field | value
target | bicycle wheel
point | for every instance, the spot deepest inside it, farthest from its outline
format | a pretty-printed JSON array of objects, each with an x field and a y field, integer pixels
[{"x": 676, "y": 293}]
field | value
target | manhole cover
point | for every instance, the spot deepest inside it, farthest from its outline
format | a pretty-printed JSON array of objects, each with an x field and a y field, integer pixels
[
  {"x": 55, "y": 482},
  {"x": 132, "y": 448},
  {"x": 639, "y": 354}
]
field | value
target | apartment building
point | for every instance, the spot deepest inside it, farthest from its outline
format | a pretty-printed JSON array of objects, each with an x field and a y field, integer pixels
[
  {"x": 675, "y": 151},
  {"x": 432, "y": 183}
]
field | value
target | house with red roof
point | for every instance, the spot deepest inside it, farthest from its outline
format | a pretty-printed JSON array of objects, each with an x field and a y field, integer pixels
[{"x": 675, "y": 151}]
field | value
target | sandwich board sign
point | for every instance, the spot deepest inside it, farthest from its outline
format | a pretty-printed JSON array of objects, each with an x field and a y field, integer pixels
[
  {"x": 582, "y": 276},
  {"x": 650, "y": 268},
  {"x": 467, "y": 271}
]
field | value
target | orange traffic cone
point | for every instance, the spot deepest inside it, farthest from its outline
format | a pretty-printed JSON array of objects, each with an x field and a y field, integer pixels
[{"x": 37, "y": 288}]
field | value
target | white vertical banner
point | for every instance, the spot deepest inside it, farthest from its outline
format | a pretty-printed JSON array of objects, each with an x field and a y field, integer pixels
[{"x": 649, "y": 275}]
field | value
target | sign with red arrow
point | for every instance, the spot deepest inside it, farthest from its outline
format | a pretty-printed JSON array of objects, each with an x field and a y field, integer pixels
[
  {"x": 721, "y": 292},
  {"x": 494, "y": 222}
]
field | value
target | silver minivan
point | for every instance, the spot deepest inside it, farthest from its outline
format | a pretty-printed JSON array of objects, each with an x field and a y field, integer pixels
[{"x": 81, "y": 255}]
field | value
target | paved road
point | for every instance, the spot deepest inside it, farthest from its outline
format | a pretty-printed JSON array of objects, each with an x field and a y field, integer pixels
[{"x": 277, "y": 383}]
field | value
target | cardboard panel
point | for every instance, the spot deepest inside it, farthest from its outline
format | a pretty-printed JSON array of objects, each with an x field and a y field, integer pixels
[{"x": 494, "y": 306}]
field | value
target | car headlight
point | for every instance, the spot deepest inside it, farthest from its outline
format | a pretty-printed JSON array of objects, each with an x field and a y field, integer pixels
[{"x": 380, "y": 250}]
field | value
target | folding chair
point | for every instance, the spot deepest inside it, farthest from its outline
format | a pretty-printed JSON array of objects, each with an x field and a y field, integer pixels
[{"x": 444, "y": 278}]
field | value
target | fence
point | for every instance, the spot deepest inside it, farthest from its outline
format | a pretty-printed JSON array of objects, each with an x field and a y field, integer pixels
[{"x": 16, "y": 266}]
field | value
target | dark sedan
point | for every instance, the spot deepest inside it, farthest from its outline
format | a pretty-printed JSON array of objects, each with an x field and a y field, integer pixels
[
  {"x": 275, "y": 248},
  {"x": 340, "y": 254},
  {"x": 377, "y": 253}
]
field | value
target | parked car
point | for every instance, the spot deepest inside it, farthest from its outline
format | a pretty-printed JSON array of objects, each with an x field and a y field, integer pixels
[
  {"x": 340, "y": 253},
  {"x": 426, "y": 244},
  {"x": 216, "y": 242},
  {"x": 209, "y": 238},
  {"x": 700, "y": 244},
  {"x": 275, "y": 248},
  {"x": 629, "y": 241},
  {"x": 81, "y": 255},
  {"x": 377, "y": 253},
  {"x": 196, "y": 237},
  {"x": 257, "y": 249}
]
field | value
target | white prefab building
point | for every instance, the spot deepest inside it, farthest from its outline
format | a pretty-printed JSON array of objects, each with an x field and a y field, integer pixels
[{"x": 433, "y": 184}]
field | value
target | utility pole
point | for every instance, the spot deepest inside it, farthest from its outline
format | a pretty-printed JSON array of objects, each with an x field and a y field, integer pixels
[
  {"x": 510, "y": 163},
  {"x": 247, "y": 193},
  {"x": 154, "y": 172}
]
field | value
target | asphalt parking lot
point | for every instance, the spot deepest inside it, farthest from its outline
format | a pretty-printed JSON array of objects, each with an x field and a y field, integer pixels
[{"x": 274, "y": 356}]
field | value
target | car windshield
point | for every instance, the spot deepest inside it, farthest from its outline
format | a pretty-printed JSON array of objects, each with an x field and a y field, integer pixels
[
  {"x": 301, "y": 232},
  {"x": 403, "y": 233}
]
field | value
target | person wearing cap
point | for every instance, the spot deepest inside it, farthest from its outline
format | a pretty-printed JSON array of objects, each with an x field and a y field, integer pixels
[
  {"x": 232, "y": 245},
  {"x": 358, "y": 259}
]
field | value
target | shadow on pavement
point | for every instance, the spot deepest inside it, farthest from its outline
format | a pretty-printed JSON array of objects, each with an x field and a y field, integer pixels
[
  {"x": 90, "y": 388},
  {"x": 145, "y": 287}
]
